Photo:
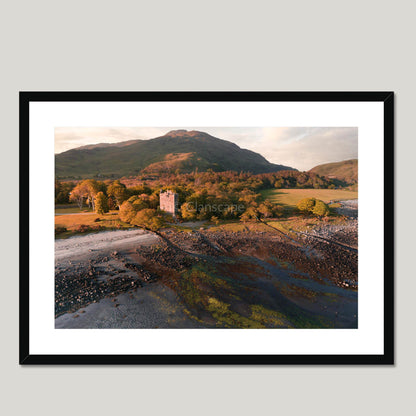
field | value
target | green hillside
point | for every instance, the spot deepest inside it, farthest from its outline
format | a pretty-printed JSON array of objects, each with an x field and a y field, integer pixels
[
  {"x": 179, "y": 150},
  {"x": 345, "y": 171}
]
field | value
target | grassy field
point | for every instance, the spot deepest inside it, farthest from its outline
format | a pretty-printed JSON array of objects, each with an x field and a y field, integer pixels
[
  {"x": 71, "y": 210},
  {"x": 72, "y": 222},
  {"x": 285, "y": 225},
  {"x": 110, "y": 221},
  {"x": 290, "y": 197}
]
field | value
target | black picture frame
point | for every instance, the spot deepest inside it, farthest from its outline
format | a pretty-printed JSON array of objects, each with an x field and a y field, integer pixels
[{"x": 387, "y": 358}]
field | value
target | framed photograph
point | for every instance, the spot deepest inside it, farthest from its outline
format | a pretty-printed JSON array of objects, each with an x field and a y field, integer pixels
[{"x": 206, "y": 227}]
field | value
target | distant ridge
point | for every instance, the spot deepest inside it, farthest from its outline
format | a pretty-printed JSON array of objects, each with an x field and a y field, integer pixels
[
  {"x": 119, "y": 144},
  {"x": 176, "y": 151},
  {"x": 345, "y": 171}
]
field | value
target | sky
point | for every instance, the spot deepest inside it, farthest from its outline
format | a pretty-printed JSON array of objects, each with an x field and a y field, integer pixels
[{"x": 298, "y": 147}]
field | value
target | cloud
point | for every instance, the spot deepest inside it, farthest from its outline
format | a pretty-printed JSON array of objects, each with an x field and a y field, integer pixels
[
  {"x": 298, "y": 147},
  {"x": 67, "y": 138},
  {"x": 306, "y": 147}
]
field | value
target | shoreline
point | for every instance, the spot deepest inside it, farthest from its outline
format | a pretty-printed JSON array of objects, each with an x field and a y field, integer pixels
[{"x": 100, "y": 275}]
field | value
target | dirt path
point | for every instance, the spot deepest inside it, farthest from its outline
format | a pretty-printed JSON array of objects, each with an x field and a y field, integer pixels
[
  {"x": 74, "y": 213},
  {"x": 79, "y": 246}
]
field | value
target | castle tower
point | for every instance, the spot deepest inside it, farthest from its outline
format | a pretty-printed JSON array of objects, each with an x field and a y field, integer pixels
[{"x": 169, "y": 202}]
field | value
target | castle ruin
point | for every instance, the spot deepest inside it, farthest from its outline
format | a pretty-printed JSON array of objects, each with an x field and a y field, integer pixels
[{"x": 169, "y": 202}]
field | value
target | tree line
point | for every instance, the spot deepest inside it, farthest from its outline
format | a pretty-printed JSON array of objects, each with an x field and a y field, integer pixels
[
  {"x": 237, "y": 181},
  {"x": 202, "y": 196}
]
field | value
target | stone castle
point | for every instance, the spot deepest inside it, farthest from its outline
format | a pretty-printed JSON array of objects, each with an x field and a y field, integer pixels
[{"x": 169, "y": 202}]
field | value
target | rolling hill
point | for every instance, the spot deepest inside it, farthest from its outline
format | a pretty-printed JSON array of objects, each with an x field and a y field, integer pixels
[
  {"x": 177, "y": 151},
  {"x": 345, "y": 171}
]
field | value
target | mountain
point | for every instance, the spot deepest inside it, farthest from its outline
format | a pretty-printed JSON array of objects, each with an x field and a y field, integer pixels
[
  {"x": 345, "y": 171},
  {"x": 119, "y": 144},
  {"x": 178, "y": 150}
]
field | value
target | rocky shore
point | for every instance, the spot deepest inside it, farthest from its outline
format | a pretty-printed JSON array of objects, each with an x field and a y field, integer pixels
[{"x": 206, "y": 278}]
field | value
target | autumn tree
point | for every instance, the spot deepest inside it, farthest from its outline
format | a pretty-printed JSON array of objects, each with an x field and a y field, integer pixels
[
  {"x": 231, "y": 211},
  {"x": 249, "y": 197},
  {"x": 86, "y": 190},
  {"x": 314, "y": 206},
  {"x": 251, "y": 214},
  {"x": 101, "y": 203},
  {"x": 188, "y": 211},
  {"x": 266, "y": 209},
  {"x": 62, "y": 191},
  {"x": 138, "y": 202},
  {"x": 320, "y": 209},
  {"x": 127, "y": 211},
  {"x": 153, "y": 200},
  {"x": 306, "y": 204},
  {"x": 148, "y": 219},
  {"x": 77, "y": 195},
  {"x": 117, "y": 192},
  {"x": 91, "y": 188},
  {"x": 138, "y": 190}
]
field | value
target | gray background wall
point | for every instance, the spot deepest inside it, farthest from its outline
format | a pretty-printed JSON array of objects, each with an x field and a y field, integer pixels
[{"x": 216, "y": 45}]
